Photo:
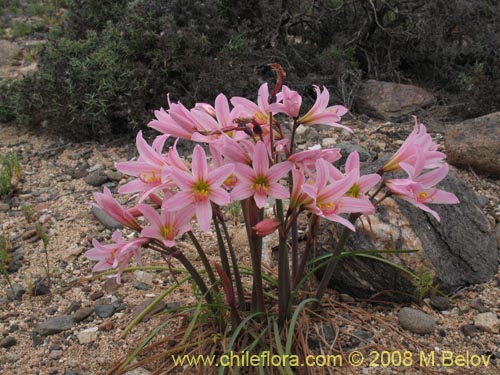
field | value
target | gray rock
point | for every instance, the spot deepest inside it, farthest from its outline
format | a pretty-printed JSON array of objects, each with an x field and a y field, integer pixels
[
  {"x": 458, "y": 251},
  {"x": 104, "y": 311},
  {"x": 475, "y": 143},
  {"x": 4, "y": 207},
  {"x": 16, "y": 292},
  {"x": 114, "y": 175},
  {"x": 360, "y": 335},
  {"x": 347, "y": 148},
  {"x": 96, "y": 178},
  {"x": 139, "y": 285},
  {"x": 55, "y": 354},
  {"x": 440, "y": 302},
  {"x": 73, "y": 306},
  {"x": 36, "y": 339},
  {"x": 391, "y": 101},
  {"x": 487, "y": 322},
  {"x": 416, "y": 321},
  {"x": 469, "y": 330},
  {"x": 55, "y": 325},
  {"x": 478, "y": 304},
  {"x": 82, "y": 314},
  {"x": 104, "y": 218},
  {"x": 7, "y": 342}
]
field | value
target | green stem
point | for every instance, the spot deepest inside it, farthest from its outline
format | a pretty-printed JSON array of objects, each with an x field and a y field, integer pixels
[
  {"x": 252, "y": 215},
  {"x": 325, "y": 280},
  {"x": 203, "y": 257},
  {"x": 283, "y": 269},
  {"x": 236, "y": 269},
  {"x": 222, "y": 249},
  {"x": 310, "y": 243},
  {"x": 196, "y": 276}
]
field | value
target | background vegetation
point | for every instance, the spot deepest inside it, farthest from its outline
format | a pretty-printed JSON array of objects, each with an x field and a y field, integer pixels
[{"x": 109, "y": 64}]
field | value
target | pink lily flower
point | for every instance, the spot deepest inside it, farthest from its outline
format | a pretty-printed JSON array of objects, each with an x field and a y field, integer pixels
[
  {"x": 298, "y": 197},
  {"x": 363, "y": 184},
  {"x": 308, "y": 157},
  {"x": 148, "y": 169},
  {"x": 419, "y": 142},
  {"x": 260, "y": 181},
  {"x": 330, "y": 200},
  {"x": 288, "y": 102},
  {"x": 200, "y": 188},
  {"x": 420, "y": 190},
  {"x": 114, "y": 209},
  {"x": 115, "y": 255},
  {"x": 321, "y": 114},
  {"x": 167, "y": 225},
  {"x": 244, "y": 108}
]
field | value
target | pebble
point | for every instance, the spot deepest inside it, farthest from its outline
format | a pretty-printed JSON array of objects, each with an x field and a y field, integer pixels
[
  {"x": 114, "y": 175},
  {"x": 487, "y": 322},
  {"x": 4, "y": 207},
  {"x": 16, "y": 292},
  {"x": 87, "y": 336},
  {"x": 144, "y": 277},
  {"x": 82, "y": 314},
  {"x": 469, "y": 330},
  {"x": 478, "y": 304},
  {"x": 29, "y": 234},
  {"x": 40, "y": 288},
  {"x": 416, "y": 321},
  {"x": 104, "y": 310},
  {"x": 139, "y": 285},
  {"x": 96, "y": 295},
  {"x": 96, "y": 178},
  {"x": 328, "y": 142},
  {"x": 72, "y": 253},
  {"x": 36, "y": 339},
  {"x": 346, "y": 298},
  {"x": 73, "y": 306},
  {"x": 8, "y": 341},
  {"x": 440, "y": 302},
  {"x": 104, "y": 218},
  {"x": 55, "y": 325},
  {"x": 55, "y": 354}
]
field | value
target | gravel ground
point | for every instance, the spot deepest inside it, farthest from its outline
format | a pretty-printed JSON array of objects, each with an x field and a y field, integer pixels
[{"x": 53, "y": 192}]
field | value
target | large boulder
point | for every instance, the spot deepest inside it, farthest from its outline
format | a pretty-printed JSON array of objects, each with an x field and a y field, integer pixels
[
  {"x": 459, "y": 250},
  {"x": 475, "y": 143},
  {"x": 391, "y": 101}
]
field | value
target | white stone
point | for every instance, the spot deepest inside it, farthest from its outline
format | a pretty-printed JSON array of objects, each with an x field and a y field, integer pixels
[
  {"x": 87, "y": 336},
  {"x": 487, "y": 322},
  {"x": 329, "y": 142},
  {"x": 145, "y": 277}
]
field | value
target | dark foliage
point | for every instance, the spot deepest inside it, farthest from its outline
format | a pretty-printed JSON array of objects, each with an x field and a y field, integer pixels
[{"x": 112, "y": 62}]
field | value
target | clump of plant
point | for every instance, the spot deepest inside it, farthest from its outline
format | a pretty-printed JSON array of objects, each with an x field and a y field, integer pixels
[
  {"x": 10, "y": 171},
  {"x": 41, "y": 232},
  {"x": 254, "y": 162},
  {"x": 5, "y": 259}
]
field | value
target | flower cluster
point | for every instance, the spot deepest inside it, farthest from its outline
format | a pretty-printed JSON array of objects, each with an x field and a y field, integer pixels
[{"x": 253, "y": 161}]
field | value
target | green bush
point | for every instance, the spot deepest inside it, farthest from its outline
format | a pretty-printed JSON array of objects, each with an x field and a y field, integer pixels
[
  {"x": 10, "y": 170},
  {"x": 110, "y": 63}
]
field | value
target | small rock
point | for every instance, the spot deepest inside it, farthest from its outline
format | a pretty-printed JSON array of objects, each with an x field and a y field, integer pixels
[
  {"x": 4, "y": 207},
  {"x": 16, "y": 292},
  {"x": 97, "y": 167},
  {"x": 478, "y": 304},
  {"x": 55, "y": 325},
  {"x": 139, "y": 285},
  {"x": 36, "y": 339},
  {"x": 96, "y": 178},
  {"x": 96, "y": 295},
  {"x": 40, "y": 288},
  {"x": 347, "y": 148},
  {"x": 346, "y": 298},
  {"x": 104, "y": 218},
  {"x": 114, "y": 175},
  {"x": 55, "y": 354},
  {"x": 73, "y": 306},
  {"x": 74, "y": 156},
  {"x": 8, "y": 341},
  {"x": 138, "y": 371},
  {"x": 72, "y": 253},
  {"x": 29, "y": 234},
  {"x": 106, "y": 326},
  {"x": 76, "y": 174},
  {"x": 487, "y": 322},
  {"x": 87, "y": 336},
  {"x": 359, "y": 336},
  {"x": 82, "y": 314},
  {"x": 416, "y": 321},
  {"x": 161, "y": 305},
  {"x": 104, "y": 311},
  {"x": 440, "y": 302},
  {"x": 145, "y": 277},
  {"x": 110, "y": 285},
  {"x": 469, "y": 330},
  {"x": 328, "y": 142}
]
